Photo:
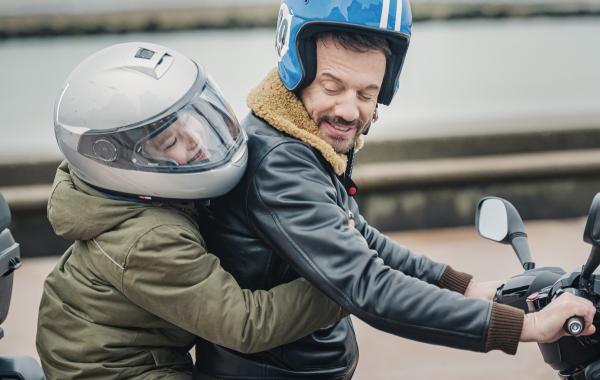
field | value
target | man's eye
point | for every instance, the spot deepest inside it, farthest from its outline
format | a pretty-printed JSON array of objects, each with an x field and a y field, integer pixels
[
  {"x": 366, "y": 97},
  {"x": 331, "y": 88}
]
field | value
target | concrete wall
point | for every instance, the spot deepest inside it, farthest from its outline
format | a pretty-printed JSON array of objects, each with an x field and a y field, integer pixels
[
  {"x": 20, "y": 18},
  {"x": 437, "y": 182}
]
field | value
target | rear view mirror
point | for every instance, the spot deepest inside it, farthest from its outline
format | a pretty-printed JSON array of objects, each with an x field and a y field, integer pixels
[
  {"x": 492, "y": 220},
  {"x": 498, "y": 220},
  {"x": 591, "y": 234},
  {"x": 4, "y": 213}
]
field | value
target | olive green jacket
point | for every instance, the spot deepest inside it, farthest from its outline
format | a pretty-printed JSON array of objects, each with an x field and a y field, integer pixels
[{"x": 127, "y": 299}]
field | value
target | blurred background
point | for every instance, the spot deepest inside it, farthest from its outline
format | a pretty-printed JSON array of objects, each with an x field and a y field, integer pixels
[{"x": 497, "y": 97}]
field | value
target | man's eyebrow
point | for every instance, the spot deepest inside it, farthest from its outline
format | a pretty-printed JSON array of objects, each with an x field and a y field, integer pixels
[
  {"x": 336, "y": 79},
  {"x": 372, "y": 87},
  {"x": 332, "y": 77}
]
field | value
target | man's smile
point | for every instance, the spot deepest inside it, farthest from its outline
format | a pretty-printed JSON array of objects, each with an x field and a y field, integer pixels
[{"x": 339, "y": 130}]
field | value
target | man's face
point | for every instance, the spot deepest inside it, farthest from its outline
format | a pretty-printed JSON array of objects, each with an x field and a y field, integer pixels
[
  {"x": 342, "y": 98},
  {"x": 179, "y": 143}
]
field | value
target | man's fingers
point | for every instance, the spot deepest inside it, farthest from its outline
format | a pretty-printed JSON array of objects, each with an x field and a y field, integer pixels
[
  {"x": 590, "y": 329},
  {"x": 570, "y": 305},
  {"x": 585, "y": 309}
]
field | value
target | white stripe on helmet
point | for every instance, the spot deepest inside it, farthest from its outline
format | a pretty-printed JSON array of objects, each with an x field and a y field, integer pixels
[
  {"x": 385, "y": 11},
  {"x": 398, "y": 15}
]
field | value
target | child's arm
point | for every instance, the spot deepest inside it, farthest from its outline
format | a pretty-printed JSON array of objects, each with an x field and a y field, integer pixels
[{"x": 169, "y": 273}]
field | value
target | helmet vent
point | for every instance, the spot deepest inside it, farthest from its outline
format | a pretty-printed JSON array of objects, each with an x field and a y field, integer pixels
[
  {"x": 144, "y": 53},
  {"x": 150, "y": 62}
]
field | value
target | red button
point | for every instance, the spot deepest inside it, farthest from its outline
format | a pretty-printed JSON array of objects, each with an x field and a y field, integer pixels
[
  {"x": 533, "y": 296},
  {"x": 352, "y": 191}
]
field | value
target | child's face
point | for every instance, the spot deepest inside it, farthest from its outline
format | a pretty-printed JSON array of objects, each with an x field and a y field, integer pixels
[{"x": 181, "y": 143}]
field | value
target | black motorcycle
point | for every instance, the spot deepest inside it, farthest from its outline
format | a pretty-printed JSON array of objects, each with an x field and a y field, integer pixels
[
  {"x": 23, "y": 367},
  {"x": 574, "y": 357}
]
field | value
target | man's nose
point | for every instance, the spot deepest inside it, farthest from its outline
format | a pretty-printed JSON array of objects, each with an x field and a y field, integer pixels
[{"x": 347, "y": 110}]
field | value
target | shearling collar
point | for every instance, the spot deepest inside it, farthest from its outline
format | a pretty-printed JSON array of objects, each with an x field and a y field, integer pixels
[{"x": 282, "y": 109}]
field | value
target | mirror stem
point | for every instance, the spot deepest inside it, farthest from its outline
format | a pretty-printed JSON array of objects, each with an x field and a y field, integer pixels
[
  {"x": 529, "y": 265},
  {"x": 591, "y": 264},
  {"x": 521, "y": 247}
]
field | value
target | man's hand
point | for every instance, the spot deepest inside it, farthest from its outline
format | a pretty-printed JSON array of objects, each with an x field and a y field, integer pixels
[
  {"x": 546, "y": 325},
  {"x": 484, "y": 290}
]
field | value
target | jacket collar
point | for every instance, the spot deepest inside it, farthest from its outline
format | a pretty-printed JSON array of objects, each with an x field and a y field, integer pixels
[{"x": 282, "y": 109}]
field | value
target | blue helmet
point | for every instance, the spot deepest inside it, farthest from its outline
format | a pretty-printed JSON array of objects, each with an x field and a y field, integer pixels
[{"x": 299, "y": 21}]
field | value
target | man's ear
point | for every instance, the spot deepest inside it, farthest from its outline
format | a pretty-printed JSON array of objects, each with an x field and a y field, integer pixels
[
  {"x": 375, "y": 114},
  {"x": 373, "y": 120}
]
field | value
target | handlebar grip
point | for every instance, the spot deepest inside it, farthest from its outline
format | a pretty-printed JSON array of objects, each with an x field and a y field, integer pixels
[{"x": 574, "y": 325}]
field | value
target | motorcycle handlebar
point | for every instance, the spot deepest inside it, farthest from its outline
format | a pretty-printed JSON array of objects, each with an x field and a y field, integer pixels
[{"x": 574, "y": 325}]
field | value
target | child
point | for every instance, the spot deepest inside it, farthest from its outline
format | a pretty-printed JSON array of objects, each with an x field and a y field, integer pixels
[{"x": 145, "y": 132}]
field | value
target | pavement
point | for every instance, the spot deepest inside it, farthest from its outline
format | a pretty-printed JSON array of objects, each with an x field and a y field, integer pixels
[{"x": 383, "y": 356}]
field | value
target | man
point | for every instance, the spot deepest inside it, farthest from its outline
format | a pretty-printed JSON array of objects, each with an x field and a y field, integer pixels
[{"x": 293, "y": 213}]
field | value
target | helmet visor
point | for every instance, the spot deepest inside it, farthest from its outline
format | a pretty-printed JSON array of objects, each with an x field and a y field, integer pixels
[
  {"x": 201, "y": 133},
  {"x": 185, "y": 138}
]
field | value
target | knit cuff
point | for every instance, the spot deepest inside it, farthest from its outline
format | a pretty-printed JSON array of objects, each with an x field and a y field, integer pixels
[
  {"x": 504, "y": 331},
  {"x": 455, "y": 281}
]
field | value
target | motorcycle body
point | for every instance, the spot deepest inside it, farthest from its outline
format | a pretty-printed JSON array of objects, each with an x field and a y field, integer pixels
[
  {"x": 532, "y": 291},
  {"x": 23, "y": 367},
  {"x": 574, "y": 357}
]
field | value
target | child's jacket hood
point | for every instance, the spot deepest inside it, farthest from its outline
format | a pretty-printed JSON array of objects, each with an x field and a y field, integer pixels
[{"x": 76, "y": 211}]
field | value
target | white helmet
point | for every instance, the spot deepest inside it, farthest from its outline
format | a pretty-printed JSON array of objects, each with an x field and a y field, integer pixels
[{"x": 144, "y": 120}]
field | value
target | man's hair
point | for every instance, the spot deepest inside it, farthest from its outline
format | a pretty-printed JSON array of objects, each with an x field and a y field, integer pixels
[{"x": 357, "y": 41}]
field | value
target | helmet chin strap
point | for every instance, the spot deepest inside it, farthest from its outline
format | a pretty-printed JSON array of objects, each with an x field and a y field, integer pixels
[
  {"x": 346, "y": 178},
  {"x": 373, "y": 119},
  {"x": 350, "y": 163}
]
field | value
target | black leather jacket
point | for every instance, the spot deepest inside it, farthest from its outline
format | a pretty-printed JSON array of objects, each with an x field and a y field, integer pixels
[{"x": 289, "y": 217}]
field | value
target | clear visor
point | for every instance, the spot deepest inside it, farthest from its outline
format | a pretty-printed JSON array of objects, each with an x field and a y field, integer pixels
[
  {"x": 202, "y": 133},
  {"x": 187, "y": 138}
]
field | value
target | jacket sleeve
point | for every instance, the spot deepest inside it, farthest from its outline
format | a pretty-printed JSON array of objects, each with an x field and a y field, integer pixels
[
  {"x": 396, "y": 255},
  {"x": 403, "y": 259},
  {"x": 169, "y": 273},
  {"x": 292, "y": 202}
]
